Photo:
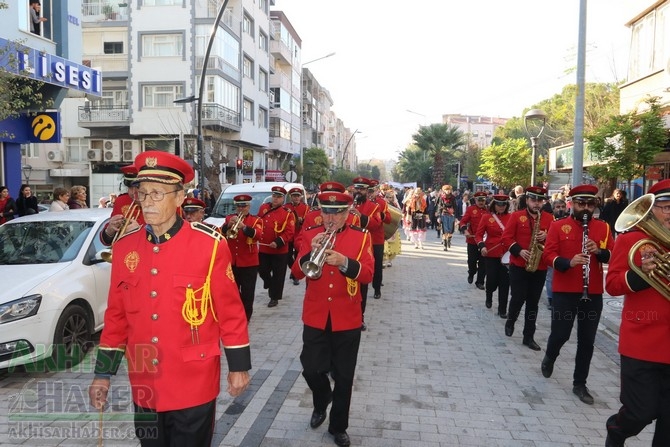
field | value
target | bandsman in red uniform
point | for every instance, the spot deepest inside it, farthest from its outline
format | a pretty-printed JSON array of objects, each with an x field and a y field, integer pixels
[
  {"x": 300, "y": 209},
  {"x": 489, "y": 241},
  {"x": 332, "y": 311},
  {"x": 369, "y": 216},
  {"x": 644, "y": 330},
  {"x": 172, "y": 304},
  {"x": 378, "y": 238},
  {"x": 568, "y": 249},
  {"x": 193, "y": 210},
  {"x": 526, "y": 286},
  {"x": 124, "y": 206},
  {"x": 242, "y": 231},
  {"x": 278, "y": 231},
  {"x": 471, "y": 218}
]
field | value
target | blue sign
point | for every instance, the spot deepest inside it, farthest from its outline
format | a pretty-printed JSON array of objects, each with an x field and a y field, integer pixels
[
  {"x": 42, "y": 127},
  {"x": 31, "y": 63}
]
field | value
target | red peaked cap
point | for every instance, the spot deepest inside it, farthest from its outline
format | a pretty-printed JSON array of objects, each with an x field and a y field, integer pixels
[
  {"x": 162, "y": 167},
  {"x": 193, "y": 204}
]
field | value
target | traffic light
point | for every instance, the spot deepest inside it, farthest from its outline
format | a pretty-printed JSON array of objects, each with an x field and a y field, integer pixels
[{"x": 239, "y": 163}]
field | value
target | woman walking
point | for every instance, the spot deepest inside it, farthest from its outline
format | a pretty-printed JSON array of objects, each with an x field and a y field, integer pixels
[
  {"x": 446, "y": 207},
  {"x": 417, "y": 209}
]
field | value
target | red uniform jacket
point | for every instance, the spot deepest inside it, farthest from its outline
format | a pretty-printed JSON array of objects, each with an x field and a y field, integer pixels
[
  {"x": 278, "y": 226},
  {"x": 371, "y": 219},
  {"x": 473, "y": 214},
  {"x": 385, "y": 217},
  {"x": 564, "y": 240},
  {"x": 300, "y": 211},
  {"x": 331, "y": 294},
  {"x": 645, "y": 319},
  {"x": 121, "y": 206},
  {"x": 489, "y": 226},
  {"x": 168, "y": 370},
  {"x": 314, "y": 219},
  {"x": 244, "y": 248},
  {"x": 518, "y": 230}
]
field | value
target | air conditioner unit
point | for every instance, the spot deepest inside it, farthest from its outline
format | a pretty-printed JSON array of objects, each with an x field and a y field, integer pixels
[
  {"x": 131, "y": 149},
  {"x": 111, "y": 150},
  {"x": 94, "y": 155},
  {"x": 54, "y": 155}
]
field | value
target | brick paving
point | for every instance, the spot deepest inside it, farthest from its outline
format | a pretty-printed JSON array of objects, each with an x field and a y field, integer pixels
[{"x": 434, "y": 369}]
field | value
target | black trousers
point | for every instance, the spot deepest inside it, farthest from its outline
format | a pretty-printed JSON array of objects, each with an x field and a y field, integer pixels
[
  {"x": 189, "y": 427},
  {"x": 292, "y": 254},
  {"x": 476, "y": 264},
  {"x": 497, "y": 277},
  {"x": 526, "y": 289},
  {"x": 272, "y": 270},
  {"x": 378, "y": 252},
  {"x": 645, "y": 396},
  {"x": 568, "y": 307},
  {"x": 245, "y": 277},
  {"x": 326, "y": 351}
]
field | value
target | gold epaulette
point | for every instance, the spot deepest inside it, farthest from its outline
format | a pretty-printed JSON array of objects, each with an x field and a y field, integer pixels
[
  {"x": 362, "y": 230},
  {"x": 204, "y": 228}
]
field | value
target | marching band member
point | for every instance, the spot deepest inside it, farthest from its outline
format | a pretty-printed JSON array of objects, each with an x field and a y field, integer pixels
[
  {"x": 122, "y": 208},
  {"x": 577, "y": 255},
  {"x": 193, "y": 210},
  {"x": 300, "y": 209},
  {"x": 473, "y": 214},
  {"x": 378, "y": 238}
]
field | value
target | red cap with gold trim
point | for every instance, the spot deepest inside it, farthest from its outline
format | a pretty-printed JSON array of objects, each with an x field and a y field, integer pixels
[
  {"x": 661, "y": 190},
  {"x": 242, "y": 199},
  {"x": 584, "y": 192},
  {"x": 373, "y": 183},
  {"x": 360, "y": 182},
  {"x": 162, "y": 167},
  {"x": 480, "y": 195},
  {"x": 192, "y": 204},
  {"x": 129, "y": 174},
  {"x": 537, "y": 191},
  {"x": 295, "y": 190},
  {"x": 278, "y": 190},
  {"x": 501, "y": 199},
  {"x": 332, "y": 186},
  {"x": 334, "y": 202}
]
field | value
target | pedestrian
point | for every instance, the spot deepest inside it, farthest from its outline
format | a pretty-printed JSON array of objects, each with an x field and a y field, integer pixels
[
  {"x": 242, "y": 231},
  {"x": 278, "y": 231},
  {"x": 473, "y": 214},
  {"x": 524, "y": 235},
  {"x": 576, "y": 248},
  {"x": 35, "y": 20},
  {"x": 644, "y": 330},
  {"x": 61, "y": 197},
  {"x": 418, "y": 207},
  {"x": 445, "y": 211},
  {"x": 26, "y": 203},
  {"x": 332, "y": 311},
  {"x": 77, "y": 197},
  {"x": 7, "y": 205},
  {"x": 172, "y": 302},
  {"x": 489, "y": 241},
  {"x": 613, "y": 208}
]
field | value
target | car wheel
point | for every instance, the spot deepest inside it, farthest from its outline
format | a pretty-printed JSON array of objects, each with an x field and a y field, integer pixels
[{"x": 72, "y": 338}]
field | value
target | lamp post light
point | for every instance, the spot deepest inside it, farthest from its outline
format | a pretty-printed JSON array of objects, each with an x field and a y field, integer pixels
[
  {"x": 539, "y": 118},
  {"x": 344, "y": 151},
  {"x": 319, "y": 58},
  {"x": 27, "y": 170}
]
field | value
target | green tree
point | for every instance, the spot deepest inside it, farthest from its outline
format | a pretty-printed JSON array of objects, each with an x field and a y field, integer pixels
[
  {"x": 627, "y": 144},
  {"x": 413, "y": 166},
  {"x": 506, "y": 164},
  {"x": 441, "y": 142},
  {"x": 315, "y": 168}
]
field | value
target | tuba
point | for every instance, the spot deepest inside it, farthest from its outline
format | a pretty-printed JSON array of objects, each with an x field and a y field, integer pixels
[
  {"x": 132, "y": 213},
  {"x": 536, "y": 249},
  {"x": 231, "y": 233},
  {"x": 638, "y": 215},
  {"x": 313, "y": 267}
]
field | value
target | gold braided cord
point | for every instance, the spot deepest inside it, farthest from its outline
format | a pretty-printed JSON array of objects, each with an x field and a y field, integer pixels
[
  {"x": 352, "y": 284},
  {"x": 280, "y": 230},
  {"x": 194, "y": 311}
]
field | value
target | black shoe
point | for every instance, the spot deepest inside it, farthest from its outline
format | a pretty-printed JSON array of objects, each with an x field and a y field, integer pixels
[
  {"x": 449, "y": 242},
  {"x": 583, "y": 393},
  {"x": 609, "y": 442},
  {"x": 296, "y": 282},
  {"x": 470, "y": 278},
  {"x": 317, "y": 418},
  {"x": 273, "y": 303},
  {"x": 445, "y": 249},
  {"x": 532, "y": 345},
  {"x": 479, "y": 285},
  {"x": 489, "y": 302},
  {"x": 502, "y": 315},
  {"x": 377, "y": 295},
  {"x": 341, "y": 438},
  {"x": 509, "y": 328},
  {"x": 547, "y": 367}
]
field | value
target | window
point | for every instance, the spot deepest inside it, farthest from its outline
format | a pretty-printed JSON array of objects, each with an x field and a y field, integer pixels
[
  {"x": 248, "y": 110},
  {"x": 263, "y": 41},
  {"x": 248, "y": 67},
  {"x": 248, "y": 25},
  {"x": 263, "y": 5},
  {"x": 162, "y": 45},
  {"x": 111, "y": 98},
  {"x": 162, "y": 2},
  {"x": 161, "y": 95},
  {"x": 262, "y": 80},
  {"x": 113, "y": 47},
  {"x": 76, "y": 149},
  {"x": 165, "y": 145},
  {"x": 262, "y": 118},
  {"x": 30, "y": 150}
]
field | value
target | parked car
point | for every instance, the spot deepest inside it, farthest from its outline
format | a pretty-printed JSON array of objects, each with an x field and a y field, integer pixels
[
  {"x": 42, "y": 208},
  {"x": 55, "y": 286},
  {"x": 260, "y": 193}
]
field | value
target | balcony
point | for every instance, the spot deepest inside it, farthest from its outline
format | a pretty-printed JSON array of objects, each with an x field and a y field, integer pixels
[
  {"x": 103, "y": 10},
  {"x": 218, "y": 117},
  {"x": 103, "y": 116}
]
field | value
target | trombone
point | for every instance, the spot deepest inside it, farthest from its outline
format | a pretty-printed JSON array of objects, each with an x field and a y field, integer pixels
[{"x": 132, "y": 213}]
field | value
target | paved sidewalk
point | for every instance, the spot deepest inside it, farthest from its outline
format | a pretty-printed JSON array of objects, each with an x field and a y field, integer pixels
[{"x": 435, "y": 369}]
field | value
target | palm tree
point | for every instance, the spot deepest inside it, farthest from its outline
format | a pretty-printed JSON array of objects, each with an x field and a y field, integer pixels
[
  {"x": 438, "y": 140},
  {"x": 412, "y": 165}
]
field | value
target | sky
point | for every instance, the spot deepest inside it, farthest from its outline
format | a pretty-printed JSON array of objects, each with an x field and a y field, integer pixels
[{"x": 399, "y": 65}]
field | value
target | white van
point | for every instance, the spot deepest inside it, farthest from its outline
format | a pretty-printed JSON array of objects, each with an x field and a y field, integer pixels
[{"x": 260, "y": 193}]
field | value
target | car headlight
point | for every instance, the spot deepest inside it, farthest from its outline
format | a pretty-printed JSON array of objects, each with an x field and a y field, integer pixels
[{"x": 21, "y": 308}]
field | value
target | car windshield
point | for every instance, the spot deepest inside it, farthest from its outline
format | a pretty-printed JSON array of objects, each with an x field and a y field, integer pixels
[
  {"x": 43, "y": 242},
  {"x": 226, "y": 206}
]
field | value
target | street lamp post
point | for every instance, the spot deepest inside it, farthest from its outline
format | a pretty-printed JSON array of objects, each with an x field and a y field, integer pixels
[
  {"x": 319, "y": 58},
  {"x": 540, "y": 119},
  {"x": 344, "y": 151},
  {"x": 27, "y": 170}
]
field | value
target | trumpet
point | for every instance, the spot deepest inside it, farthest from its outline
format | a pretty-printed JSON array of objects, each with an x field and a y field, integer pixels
[
  {"x": 314, "y": 266},
  {"x": 639, "y": 215},
  {"x": 132, "y": 213},
  {"x": 231, "y": 233}
]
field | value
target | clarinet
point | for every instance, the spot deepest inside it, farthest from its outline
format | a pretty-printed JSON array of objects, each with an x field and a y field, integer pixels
[{"x": 586, "y": 267}]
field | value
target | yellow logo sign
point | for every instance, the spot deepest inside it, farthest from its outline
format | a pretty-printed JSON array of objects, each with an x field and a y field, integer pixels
[{"x": 43, "y": 127}]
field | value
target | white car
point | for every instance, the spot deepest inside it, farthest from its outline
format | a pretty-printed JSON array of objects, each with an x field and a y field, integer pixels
[{"x": 55, "y": 286}]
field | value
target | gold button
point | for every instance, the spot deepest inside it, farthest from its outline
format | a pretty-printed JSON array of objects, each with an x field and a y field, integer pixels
[
  {"x": 153, "y": 294},
  {"x": 154, "y": 317},
  {"x": 154, "y": 339},
  {"x": 330, "y": 298},
  {"x": 330, "y": 286},
  {"x": 154, "y": 271},
  {"x": 202, "y": 355},
  {"x": 156, "y": 249},
  {"x": 154, "y": 361}
]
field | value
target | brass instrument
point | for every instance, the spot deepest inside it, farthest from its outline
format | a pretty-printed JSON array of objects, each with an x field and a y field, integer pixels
[
  {"x": 391, "y": 227},
  {"x": 314, "y": 266},
  {"x": 638, "y": 215},
  {"x": 132, "y": 213},
  {"x": 231, "y": 233},
  {"x": 536, "y": 249}
]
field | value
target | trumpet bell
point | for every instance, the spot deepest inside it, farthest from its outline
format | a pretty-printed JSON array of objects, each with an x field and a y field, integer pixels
[
  {"x": 311, "y": 269},
  {"x": 106, "y": 256}
]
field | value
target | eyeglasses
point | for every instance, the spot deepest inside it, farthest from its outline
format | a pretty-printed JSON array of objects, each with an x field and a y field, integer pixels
[
  {"x": 241, "y": 205},
  {"x": 584, "y": 203},
  {"x": 156, "y": 196},
  {"x": 664, "y": 209}
]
